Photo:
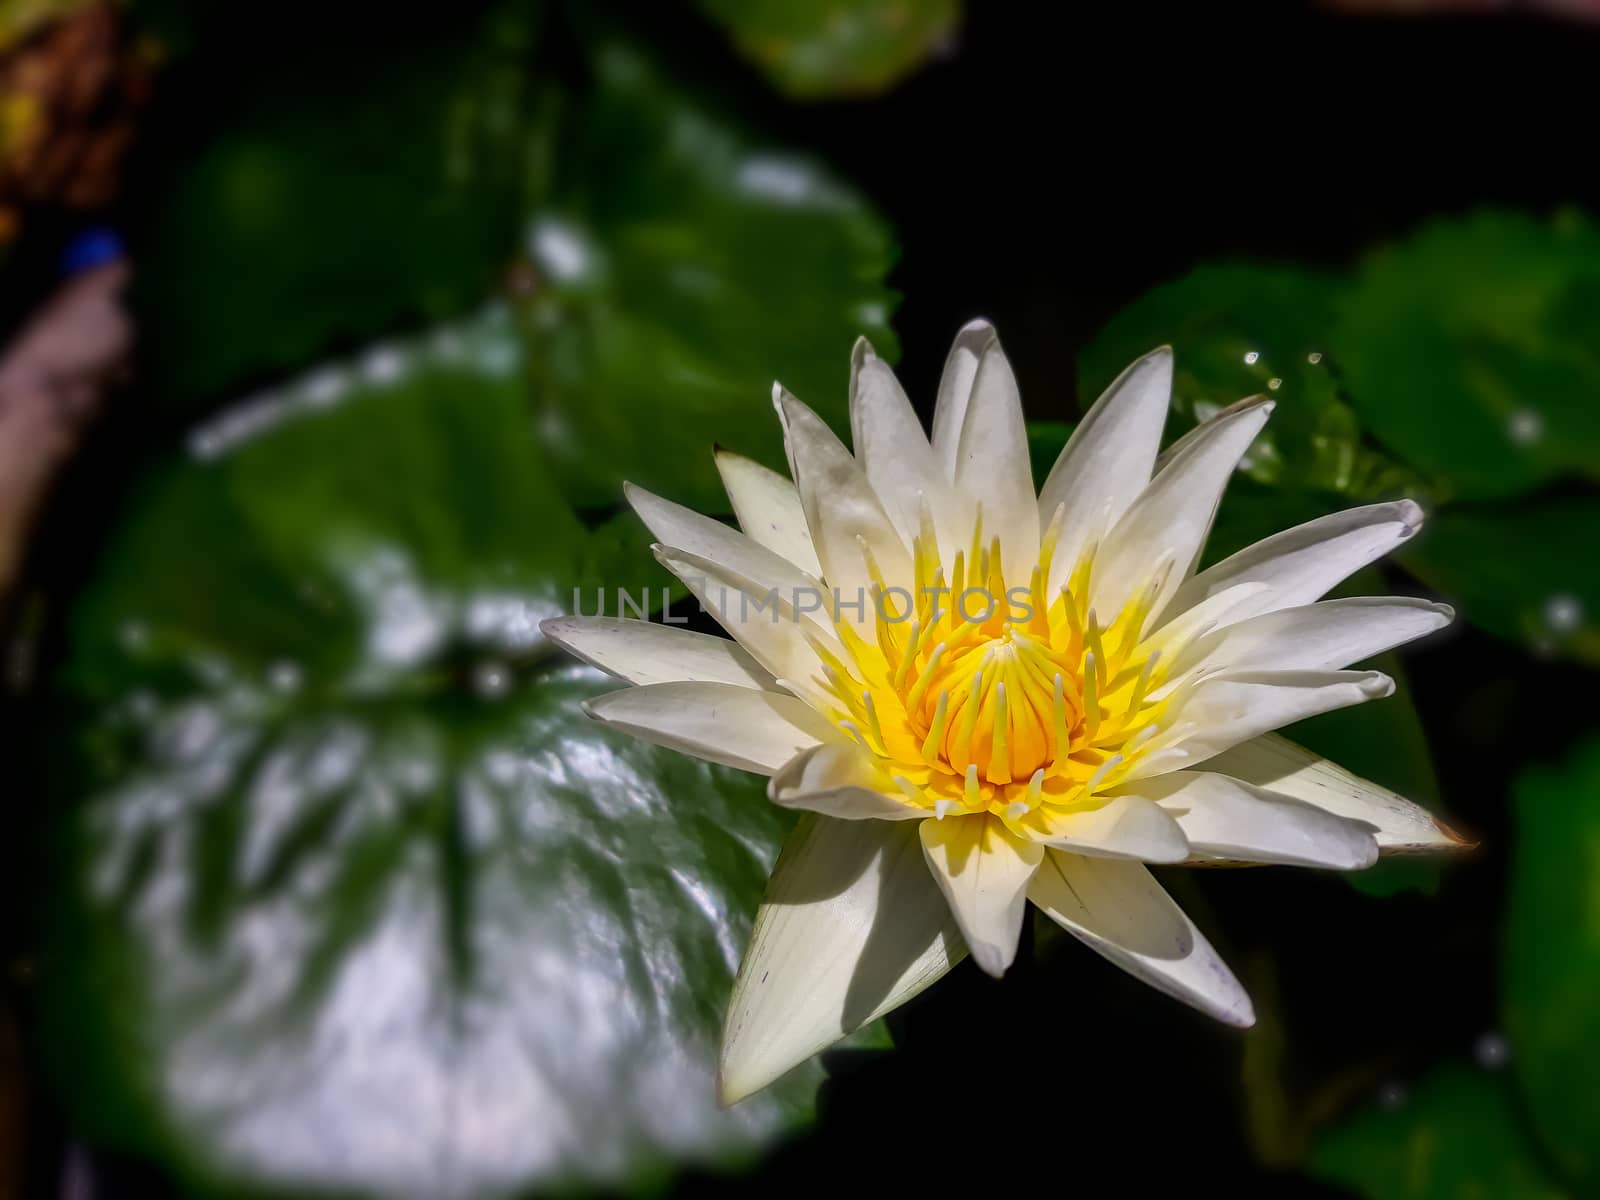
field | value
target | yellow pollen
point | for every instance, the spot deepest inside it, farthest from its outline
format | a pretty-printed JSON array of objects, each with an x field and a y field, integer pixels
[{"x": 979, "y": 697}]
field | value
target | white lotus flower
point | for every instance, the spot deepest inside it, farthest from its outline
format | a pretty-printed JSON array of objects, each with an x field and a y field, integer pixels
[{"x": 1042, "y": 686}]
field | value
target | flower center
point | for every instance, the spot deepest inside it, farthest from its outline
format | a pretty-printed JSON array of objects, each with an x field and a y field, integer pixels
[{"x": 978, "y": 696}]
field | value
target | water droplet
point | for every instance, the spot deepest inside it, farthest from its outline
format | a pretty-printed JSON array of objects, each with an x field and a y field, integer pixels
[
  {"x": 135, "y": 635},
  {"x": 1492, "y": 1051},
  {"x": 1252, "y": 356},
  {"x": 491, "y": 680},
  {"x": 1274, "y": 384},
  {"x": 1391, "y": 1096},
  {"x": 1525, "y": 427},
  {"x": 1563, "y": 612},
  {"x": 1314, "y": 357}
]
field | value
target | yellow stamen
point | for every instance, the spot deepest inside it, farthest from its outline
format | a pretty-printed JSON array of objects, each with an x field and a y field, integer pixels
[
  {"x": 934, "y": 742},
  {"x": 1000, "y": 752},
  {"x": 962, "y": 697}
]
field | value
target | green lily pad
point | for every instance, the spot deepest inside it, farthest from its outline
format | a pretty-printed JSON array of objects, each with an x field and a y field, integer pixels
[
  {"x": 344, "y": 893},
  {"x": 1240, "y": 329},
  {"x": 1552, "y": 957},
  {"x": 1470, "y": 349},
  {"x": 681, "y": 267},
  {"x": 836, "y": 47},
  {"x": 1454, "y": 1137},
  {"x": 1518, "y": 571},
  {"x": 667, "y": 263},
  {"x": 305, "y": 214}
]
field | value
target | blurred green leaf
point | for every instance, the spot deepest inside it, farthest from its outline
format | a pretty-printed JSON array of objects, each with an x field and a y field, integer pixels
[
  {"x": 1472, "y": 350},
  {"x": 1552, "y": 956},
  {"x": 1238, "y": 330},
  {"x": 1518, "y": 572},
  {"x": 301, "y": 212},
  {"x": 676, "y": 264},
  {"x": 836, "y": 47},
  {"x": 382, "y": 912},
  {"x": 1455, "y": 1137},
  {"x": 681, "y": 268}
]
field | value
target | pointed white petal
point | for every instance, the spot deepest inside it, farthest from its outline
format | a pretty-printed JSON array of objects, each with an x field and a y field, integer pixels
[
  {"x": 697, "y": 534},
  {"x": 1171, "y": 518},
  {"x": 768, "y": 508},
  {"x": 955, "y": 392},
  {"x": 1326, "y": 636},
  {"x": 1301, "y": 564},
  {"x": 1178, "y": 635},
  {"x": 1122, "y": 827},
  {"x": 845, "y": 516},
  {"x": 840, "y": 779},
  {"x": 1109, "y": 458},
  {"x": 1231, "y": 708},
  {"x": 1117, "y": 909},
  {"x": 765, "y": 621},
  {"x": 1280, "y": 766},
  {"x": 852, "y": 926},
  {"x": 993, "y": 467},
  {"x": 893, "y": 450},
  {"x": 1227, "y": 819},
  {"x": 983, "y": 872},
  {"x": 643, "y": 652},
  {"x": 719, "y": 722}
]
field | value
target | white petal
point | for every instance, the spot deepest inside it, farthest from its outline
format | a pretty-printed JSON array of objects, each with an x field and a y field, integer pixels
[
  {"x": 719, "y": 722},
  {"x": 697, "y": 534},
  {"x": 983, "y": 872},
  {"x": 1108, "y": 460},
  {"x": 1122, "y": 827},
  {"x": 764, "y": 621},
  {"x": 852, "y": 926},
  {"x": 1169, "y": 521},
  {"x": 993, "y": 466},
  {"x": 846, "y": 518},
  {"x": 1176, "y": 636},
  {"x": 644, "y": 652},
  {"x": 1280, "y": 766},
  {"x": 1327, "y": 636},
  {"x": 955, "y": 392},
  {"x": 840, "y": 779},
  {"x": 1231, "y": 708},
  {"x": 1227, "y": 819},
  {"x": 768, "y": 508},
  {"x": 1117, "y": 909},
  {"x": 893, "y": 450},
  {"x": 1301, "y": 564}
]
